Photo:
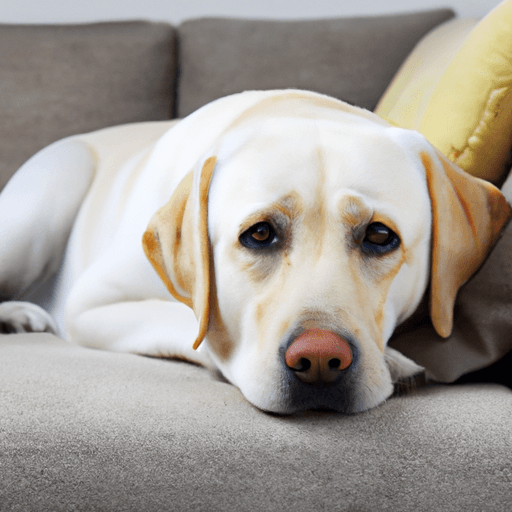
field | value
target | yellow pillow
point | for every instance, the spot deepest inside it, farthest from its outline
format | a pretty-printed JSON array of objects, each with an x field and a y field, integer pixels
[
  {"x": 456, "y": 89},
  {"x": 406, "y": 98}
]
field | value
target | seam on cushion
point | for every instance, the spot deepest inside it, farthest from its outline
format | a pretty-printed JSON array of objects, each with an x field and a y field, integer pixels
[{"x": 465, "y": 156}]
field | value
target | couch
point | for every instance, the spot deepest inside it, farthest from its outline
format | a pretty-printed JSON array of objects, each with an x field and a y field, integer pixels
[{"x": 82, "y": 429}]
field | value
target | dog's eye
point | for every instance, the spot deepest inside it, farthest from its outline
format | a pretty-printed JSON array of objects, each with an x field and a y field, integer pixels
[
  {"x": 259, "y": 236},
  {"x": 379, "y": 239}
]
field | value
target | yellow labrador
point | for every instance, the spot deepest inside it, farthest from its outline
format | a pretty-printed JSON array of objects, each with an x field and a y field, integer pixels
[{"x": 292, "y": 234}]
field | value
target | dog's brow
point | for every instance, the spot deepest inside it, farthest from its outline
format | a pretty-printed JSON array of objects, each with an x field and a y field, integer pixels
[
  {"x": 288, "y": 206},
  {"x": 354, "y": 211}
]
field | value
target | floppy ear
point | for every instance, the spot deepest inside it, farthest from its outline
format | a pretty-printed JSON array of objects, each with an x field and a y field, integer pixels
[
  {"x": 468, "y": 215},
  {"x": 176, "y": 243}
]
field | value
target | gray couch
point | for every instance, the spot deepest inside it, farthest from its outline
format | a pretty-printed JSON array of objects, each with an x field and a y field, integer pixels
[{"x": 88, "y": 430}]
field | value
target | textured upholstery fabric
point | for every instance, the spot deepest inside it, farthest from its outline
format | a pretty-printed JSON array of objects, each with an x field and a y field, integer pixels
[
  {"x": 90, "y": 430},
  {"x": 62, "y": 80},
  {"x": 352, "y": 59}
]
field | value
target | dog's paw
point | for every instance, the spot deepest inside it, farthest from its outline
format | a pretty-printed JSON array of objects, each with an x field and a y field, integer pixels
[{"x": 16, "y": 317}]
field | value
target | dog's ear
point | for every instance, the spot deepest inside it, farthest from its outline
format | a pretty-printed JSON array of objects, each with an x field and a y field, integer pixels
[
  {"x": 468, "y": 215},
  {"x": 176, "y": 243}
]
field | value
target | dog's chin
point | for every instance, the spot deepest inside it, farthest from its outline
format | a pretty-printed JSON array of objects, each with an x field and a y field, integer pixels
[
  {"x": 351, "y": 396},
  {"x": 323, "y": 400}
]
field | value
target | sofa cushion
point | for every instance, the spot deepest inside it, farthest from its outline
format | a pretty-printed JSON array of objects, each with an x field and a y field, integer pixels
[
  {"x": 62, "y": 80},
  {"x": 352, "y": 59},
  {"x": 83, "y": 429}
]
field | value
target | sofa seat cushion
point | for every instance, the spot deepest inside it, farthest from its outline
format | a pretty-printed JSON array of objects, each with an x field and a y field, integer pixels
[
  {"x": 63, "y": 80},
  {"x": 353, "y": 59},
  {"x": 82, "y": 429}
]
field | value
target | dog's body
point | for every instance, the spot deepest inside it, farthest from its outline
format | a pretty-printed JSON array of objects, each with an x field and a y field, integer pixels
[{"x": 301, "y": 231}]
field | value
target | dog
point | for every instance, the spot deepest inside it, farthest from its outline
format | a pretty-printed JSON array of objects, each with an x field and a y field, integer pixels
[{"x": 278, "y": 237}]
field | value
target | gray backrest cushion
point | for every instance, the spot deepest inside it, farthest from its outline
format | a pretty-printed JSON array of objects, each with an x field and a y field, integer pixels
[
  {"x": 353, "y": 59},
  {"x": 57, "y": 81}
]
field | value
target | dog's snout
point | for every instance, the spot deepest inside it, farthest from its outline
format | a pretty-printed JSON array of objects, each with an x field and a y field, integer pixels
[{"x": 317, "y": 356}]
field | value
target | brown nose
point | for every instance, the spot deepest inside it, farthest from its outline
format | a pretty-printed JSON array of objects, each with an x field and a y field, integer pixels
[{"x": 318, "y": 356}]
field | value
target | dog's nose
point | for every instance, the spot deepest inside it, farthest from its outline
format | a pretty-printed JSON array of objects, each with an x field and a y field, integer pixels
[{"x": 317, "y": 356}]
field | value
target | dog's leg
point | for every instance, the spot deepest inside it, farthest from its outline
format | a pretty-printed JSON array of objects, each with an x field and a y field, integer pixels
[
  {"x": 121, "y": 304},
  {"x": 151, "y": 327},
  {"x": 37, "y": 209},
  {"x": 25, "y": 317}
]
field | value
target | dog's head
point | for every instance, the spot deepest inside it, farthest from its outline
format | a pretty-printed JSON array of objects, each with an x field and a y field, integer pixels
[{"x": 305, "y": 240}]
